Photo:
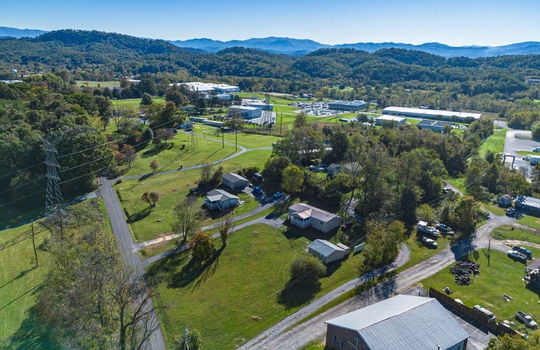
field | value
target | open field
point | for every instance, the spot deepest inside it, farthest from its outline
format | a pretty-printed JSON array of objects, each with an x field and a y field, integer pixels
[
  {"x": 508, "y": 232},
  {"x": 245, "y": 139},
  {"x": 92, "y": 83},
  {"x": 133, "y": 103},
  {"x": 173, "y": 188},
  {"x": 502, "y": 276},
  {"x": 531, "y": 221},
  {"x": 494, "y": 143},
  {"x": 196, "y": 296},
  {"x": 20, "y": 278},
  {"x": 183, "y": 151}
]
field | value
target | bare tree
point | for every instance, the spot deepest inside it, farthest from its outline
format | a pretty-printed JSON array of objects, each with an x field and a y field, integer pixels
[
  {"x": 186, "y": 218},
  {"x": 224, "y": 229}
]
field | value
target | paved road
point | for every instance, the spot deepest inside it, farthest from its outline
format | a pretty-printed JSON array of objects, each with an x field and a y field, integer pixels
[
  {"x": 128, "y": 248},
  {"x": 282, "y": 336}
]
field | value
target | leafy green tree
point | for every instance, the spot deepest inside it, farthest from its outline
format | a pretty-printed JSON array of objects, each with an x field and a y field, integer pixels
[
  {"x": 426, "y": 213},
  {"x": 307, "y": 270},
  {"x": 293, "y": 179},
  {"x": 146, "y": 99},
  {"x": 535, "y": 128},
  {"x": 225, "y": 227},
  {"x": 382, "y": 243},
  {"x": 408, "y": 203},
  {"x": 340, "y": 146},
  {"x": 273, "y": 168},
  {"x": 202, "y": 246}
]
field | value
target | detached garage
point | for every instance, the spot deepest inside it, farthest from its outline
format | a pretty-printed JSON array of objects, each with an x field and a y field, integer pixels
[{"x": 328, "y": 252}]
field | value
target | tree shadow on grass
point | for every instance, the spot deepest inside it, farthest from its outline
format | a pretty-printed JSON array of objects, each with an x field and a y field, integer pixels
[
  {"x": 21, "y": 274},
  {"x": 157, "y": 149},
  {"x": 195, "y": 271},
  {"x": 298, "y": 292},
  {"x": 139, "y": 215},
  {"x": 164, "y": 268},
  {"x": 146, "y": 176},
  {"x": 32, "y": 334},
  {"x": 293, "y": 232}
]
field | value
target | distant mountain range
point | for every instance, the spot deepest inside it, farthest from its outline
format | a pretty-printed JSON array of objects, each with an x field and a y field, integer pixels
[
  {"x": 298, "y": 47},
  {"x": 7, "y": 32},
  {"x": 290, "y": 46}
]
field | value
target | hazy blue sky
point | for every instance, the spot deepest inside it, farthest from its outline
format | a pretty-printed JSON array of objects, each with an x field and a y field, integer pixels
[{"x": 458, "y": 22}]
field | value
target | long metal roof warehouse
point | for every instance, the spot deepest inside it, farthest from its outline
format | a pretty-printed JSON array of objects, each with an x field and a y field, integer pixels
[
  {"x": 432, "y": 114},
  {"x": 403, "y": 322}
]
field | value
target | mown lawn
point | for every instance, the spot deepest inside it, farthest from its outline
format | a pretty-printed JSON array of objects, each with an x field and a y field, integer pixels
[
  {"x": 181, "y": 151},
  {"x": 148, "y": 223},
  {"x": 229, "y": 303},
  {"x": 531, "y": 221},
  {"x": 494, "y": 143},
  {"x": 502, "y": 276},
  {"x": 134, "y": 103},
  {"x": 93, "y": 83},
  {"x": 509, "y": 232}
]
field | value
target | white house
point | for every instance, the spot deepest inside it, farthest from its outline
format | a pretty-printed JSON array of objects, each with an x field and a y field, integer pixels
[
  {"x": 328, "y": 252},
  {"x": 304, "y": 215}
]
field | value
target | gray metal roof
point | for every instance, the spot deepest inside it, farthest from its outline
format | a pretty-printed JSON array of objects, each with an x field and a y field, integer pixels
[
  {"x": 324, "y": 248},
  {"x": 404, "y": 322},
  {"x": 529, "y": 201},
  {"x": 234, "y": 178},
  {"x": 219, "y": 195},
  {"x": 430, "y": 112},
  {"x": 314, "y": 212}
]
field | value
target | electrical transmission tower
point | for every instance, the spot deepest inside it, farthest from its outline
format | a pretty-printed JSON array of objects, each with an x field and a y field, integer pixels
[{"x": 53, "y": 195}]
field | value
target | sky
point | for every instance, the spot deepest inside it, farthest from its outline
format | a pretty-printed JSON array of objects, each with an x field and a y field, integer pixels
[{"x": 458, "y": 22}]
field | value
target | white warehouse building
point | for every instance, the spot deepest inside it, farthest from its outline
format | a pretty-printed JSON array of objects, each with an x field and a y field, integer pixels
[{"x": 464, "y": 117}]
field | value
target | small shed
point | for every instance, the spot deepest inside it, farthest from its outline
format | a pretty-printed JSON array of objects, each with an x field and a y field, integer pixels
[
  {"x": 234, "y": 181},
  {"x": 327, "y": 251}
]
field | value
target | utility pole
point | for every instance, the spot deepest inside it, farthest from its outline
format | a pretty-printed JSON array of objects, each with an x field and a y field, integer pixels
[
  {"x": 489, "y": 250},
  {"x": 280, "y": 122},
  {"x": 34, "y": 244},
  {"x": 222, "y": 138}
]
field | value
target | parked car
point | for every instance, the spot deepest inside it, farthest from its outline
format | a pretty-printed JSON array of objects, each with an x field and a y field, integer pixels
[
  {"x": 346, "y": 225},
  {"x": 523, "y": 251},
  {"x": 424, "y": 228},
  {"x": 537, "y": 149},
  {"x": 512, "y": 254},
  {"x": 527, "y": 320},
  {"x": 277, "y": 195},
  {"x": 447, "y": 230},
  {"x": 429, "y": 242},
  {"x": 511, "y": 212}
]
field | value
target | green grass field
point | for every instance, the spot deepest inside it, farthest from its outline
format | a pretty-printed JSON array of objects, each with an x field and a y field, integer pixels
[
  {"x": 494, "y": 143},
  {"x": 133, "y": 103},
  {"x": 196, "y": 298},
  {"x": 502, "y": 276},
  {"x": 20, "y": 278},
  {"x": 173, "y": 188},
  {"x": 508, "y": 232},
  {"x": 530, "y": 221},
  {"x": 196, "y": 151},
  {"x": 92, "y": 83},
  {"x": 419, "y": 252}
]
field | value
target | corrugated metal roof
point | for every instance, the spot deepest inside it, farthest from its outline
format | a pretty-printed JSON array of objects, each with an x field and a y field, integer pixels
[
  {"x": 219, "y": 195},
  {"x": 234, "y": 178},
  {"x": 316, "y": 213},
  {"x": 404, "y": 322},
  {"x": 430, "y": 112},
  {"x": 324, "y": 248}
]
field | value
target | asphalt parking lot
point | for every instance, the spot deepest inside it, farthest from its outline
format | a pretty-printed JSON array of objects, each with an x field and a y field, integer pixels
[{"x": 520, "y": 140}]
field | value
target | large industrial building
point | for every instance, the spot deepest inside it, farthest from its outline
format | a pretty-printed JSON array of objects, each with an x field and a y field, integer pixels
[
  {"x": 403, "y": 322},
  {"x": 208, "y": 88},
  {"x": 246, "y": 112},
  {"x": 390, "y": 120},
  {"x": 463, "y": 117},
  {"x": 347, "y": 105}
]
